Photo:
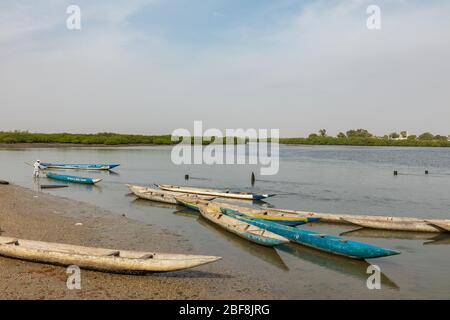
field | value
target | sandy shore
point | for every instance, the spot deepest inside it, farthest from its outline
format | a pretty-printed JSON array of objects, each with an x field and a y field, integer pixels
[{"x": 39, "y": 216}]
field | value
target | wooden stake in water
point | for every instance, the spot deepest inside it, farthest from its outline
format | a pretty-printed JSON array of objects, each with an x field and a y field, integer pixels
[{"x": 253, "y": 179}]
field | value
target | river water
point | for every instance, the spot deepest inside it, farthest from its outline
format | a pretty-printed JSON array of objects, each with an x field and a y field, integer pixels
[{"x": 337, "y": 179}]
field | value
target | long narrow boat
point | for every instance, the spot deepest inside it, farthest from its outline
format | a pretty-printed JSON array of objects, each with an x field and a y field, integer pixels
[
  {"x": 74, "y": 166},
  {"x": 160, "y": 195},
  {"x": 324, "y": 242},
  {"x": 75, "y": 179},
  {"x": 279, "y": 217},
  {"x": 108, "y": 260},
  {"x": 377, "y": 222},
  {"x": 241, "y": 228},
  {"x": 215, "y": 192}
]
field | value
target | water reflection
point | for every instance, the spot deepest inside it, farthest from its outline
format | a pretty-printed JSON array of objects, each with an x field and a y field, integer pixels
[
  {"x": 429, "y": 237},
  {"x": 347, "y": 267}
]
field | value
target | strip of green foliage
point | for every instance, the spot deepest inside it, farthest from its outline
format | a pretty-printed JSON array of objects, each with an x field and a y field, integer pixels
[{"x": 359, "y": 137}]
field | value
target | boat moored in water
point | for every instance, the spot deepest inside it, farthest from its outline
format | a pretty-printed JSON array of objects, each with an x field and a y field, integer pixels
[
  {"x": 279, "y": 217},
  {"x": 74, "y": 179},
  {"x": 74, "y": 166},
  {"x": 324, "y": 242},
  {"x": 161, "y": 195},
  {"x": 241, "y": 228},
  {"x": 214, "y": 192}
]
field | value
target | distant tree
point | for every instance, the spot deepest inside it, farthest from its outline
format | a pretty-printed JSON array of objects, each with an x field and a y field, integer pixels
[
  {"x": 412, "y": 137},
  {"x": 426, "y": 136},
  {"x": 323, "y": 132},
  {"x": 394, "y": 135},
  {"x": 439, "y": 137},
  {"x": 313, "y": 135},
  {"x": 404, "y": 134},
  {"x": 341, "y": 135},
  {"x": 359, "y": 133}
]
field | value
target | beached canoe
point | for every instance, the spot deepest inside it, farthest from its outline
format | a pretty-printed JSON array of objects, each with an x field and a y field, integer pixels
[
  {"x": 75, "y": 179},
  {"x": 215, "y": 192},
  {"x": 108, "y": 260},
  {"x": 377, "y": 222},
  {"x": 241, "y": 228},
  {"x": 160, "y": 195},
  {"x": 73, "y": 166},
  {"x": 324, "y": 242},
  {"x": 279, "y": 217}
]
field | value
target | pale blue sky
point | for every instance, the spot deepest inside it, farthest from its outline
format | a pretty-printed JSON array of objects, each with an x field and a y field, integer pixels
[{"x": 151, "y": 66}]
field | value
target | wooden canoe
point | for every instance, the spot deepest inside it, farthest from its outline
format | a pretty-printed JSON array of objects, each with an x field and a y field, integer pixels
[
  {"x": 74, "y": 166},
  {"x": 320, "y": 241},
  {"x": 107, "y": 260},
  {"x": 279, "y": 217},
  {"x": 215, "y": 192},
  {"x": 74, "y": 179},
  {"x": 160, "y": 195},
  {"x": 3, "y": 182},
  {"x": 378, "y": 222},
  {"x": 241, "y": 228}
]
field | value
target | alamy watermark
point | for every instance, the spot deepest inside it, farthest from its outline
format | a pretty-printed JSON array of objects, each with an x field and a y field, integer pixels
[
  {"x": 374, "y": 20},
  {"x": 235, "y": 146},
  {"x": 374, "y": 280},
  {"x": 73, "y": 22},
  {"x": 74, "y": 278}
]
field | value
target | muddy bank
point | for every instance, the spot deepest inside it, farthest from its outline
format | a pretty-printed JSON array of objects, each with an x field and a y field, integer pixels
[{"x": 39, "y": 216}]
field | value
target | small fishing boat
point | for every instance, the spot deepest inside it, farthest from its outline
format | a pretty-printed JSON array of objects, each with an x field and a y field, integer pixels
[
  {"x": 75, "y": 179},
  {"x": 73, "y": 166},
  {"x": 377, "y": 222},
  {"x": 215, "y": 192},
  {"x": 3, "y": 182},
  {"x": 324, "y": 242},
  {"x": 241, "y": 228},
  {"x": 107, "y": 260},
  {"x": 160, "y": 195},
  {"x": 279, "y": 217}
]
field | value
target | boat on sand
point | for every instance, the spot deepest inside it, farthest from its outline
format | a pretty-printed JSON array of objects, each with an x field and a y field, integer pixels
[{"x": 107, "y": 260}]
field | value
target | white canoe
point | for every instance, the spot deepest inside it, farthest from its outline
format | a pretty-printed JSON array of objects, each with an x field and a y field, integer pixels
[
  {"x": 160, "y": 195},
  {"x": 215, "y": 192},
  {"x": 241, "y": 228},
  {"x": 107, "y": 260},
  {"x": 379, "y": 222}
]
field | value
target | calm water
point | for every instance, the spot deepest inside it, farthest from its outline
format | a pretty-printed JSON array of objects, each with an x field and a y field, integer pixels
[{"x": 325, "y": 179}]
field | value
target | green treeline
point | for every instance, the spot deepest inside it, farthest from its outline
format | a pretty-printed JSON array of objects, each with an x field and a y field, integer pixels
[
  {"x": 98, "y": 138},
  {"x": 358, "y": 137}
]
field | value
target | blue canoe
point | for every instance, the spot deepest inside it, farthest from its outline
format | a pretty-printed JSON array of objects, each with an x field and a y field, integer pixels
[
  {"x": 75, "y": 179},
  {"x": 331, "y": 244},
  {"x": 73, "y": 166}
]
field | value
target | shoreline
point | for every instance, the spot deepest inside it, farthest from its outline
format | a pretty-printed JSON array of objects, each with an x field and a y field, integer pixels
[{"x": 33, "y": 215}]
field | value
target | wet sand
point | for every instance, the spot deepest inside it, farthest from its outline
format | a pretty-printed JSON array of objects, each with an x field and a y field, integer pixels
[{"x": 28, "y": 214}]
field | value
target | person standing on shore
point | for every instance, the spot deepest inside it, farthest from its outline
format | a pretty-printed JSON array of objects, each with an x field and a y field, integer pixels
[{"x": 37, "y": 169}]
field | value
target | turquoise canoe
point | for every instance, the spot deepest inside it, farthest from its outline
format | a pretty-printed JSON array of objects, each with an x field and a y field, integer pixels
[
  {"x": 331, "y": 244},
  {"x": 80, "y": 166},
  {"x": 75, "y": 179}
]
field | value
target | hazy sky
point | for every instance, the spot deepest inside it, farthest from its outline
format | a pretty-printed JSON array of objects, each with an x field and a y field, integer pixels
[{"x": 151, "y": 66}]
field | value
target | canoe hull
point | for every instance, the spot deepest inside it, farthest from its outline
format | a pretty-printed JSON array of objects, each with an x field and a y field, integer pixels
[
  {"x": 160, "y": 195},
  {"x": 215, "y": 192},
  {"x": 242, "y": 229},
  {"x": 73, "y": 179},
  {"x": 331, "y": 244},
  {"x": 80, "y": 166},
  {"x": 256, "y": 213},
  {"x": 105, "y": 260}
]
